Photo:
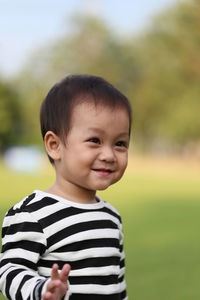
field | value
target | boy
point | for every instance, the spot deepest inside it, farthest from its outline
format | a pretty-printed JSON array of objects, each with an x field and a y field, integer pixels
[{"x": 66, "y": 242}]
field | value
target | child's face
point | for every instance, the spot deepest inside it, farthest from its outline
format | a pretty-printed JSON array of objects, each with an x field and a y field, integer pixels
[{"x": 96, "y": 150}]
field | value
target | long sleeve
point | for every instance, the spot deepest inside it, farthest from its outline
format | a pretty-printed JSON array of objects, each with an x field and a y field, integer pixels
[
  {"x": 122, "y": 267},
  {"x": 23, "y": 243}
]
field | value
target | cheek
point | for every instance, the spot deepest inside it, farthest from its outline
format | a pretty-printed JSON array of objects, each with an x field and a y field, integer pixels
[
  {"x": 85, "y": 158},
  {"x": 123, "y": 161},
  {"x": 122, "y": 164}
]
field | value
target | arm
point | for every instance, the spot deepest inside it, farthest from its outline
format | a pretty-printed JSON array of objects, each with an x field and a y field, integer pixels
[
  {"x": 23, "y": 243},
  {"x": 122, "y": 268}
]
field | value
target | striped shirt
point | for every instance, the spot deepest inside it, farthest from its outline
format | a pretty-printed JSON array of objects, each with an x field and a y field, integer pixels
[{"x": 44, "y": 229}]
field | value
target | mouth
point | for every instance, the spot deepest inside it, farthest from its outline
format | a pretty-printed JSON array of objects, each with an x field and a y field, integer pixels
[{"x": 103, "y": 172}]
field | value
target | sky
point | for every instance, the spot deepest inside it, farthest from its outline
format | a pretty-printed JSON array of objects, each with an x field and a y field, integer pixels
[{"x": 26, "y": 25}]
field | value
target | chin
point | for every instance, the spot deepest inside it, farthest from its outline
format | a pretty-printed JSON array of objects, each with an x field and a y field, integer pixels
[{"x": 103, "y": 187}]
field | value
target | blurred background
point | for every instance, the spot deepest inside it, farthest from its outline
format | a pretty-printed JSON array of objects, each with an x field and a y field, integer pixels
[{"x": 150, "y": 50}]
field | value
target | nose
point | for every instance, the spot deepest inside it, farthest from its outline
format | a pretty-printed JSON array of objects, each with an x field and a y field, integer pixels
[{"x": 107, "y": 154}]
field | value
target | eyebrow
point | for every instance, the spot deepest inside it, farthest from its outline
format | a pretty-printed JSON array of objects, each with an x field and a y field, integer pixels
[{"x": 99, "y": 130}]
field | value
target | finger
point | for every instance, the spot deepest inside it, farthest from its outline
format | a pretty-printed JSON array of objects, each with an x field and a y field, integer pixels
[
  {"x": 54, "y": 272},
  {"x": 64, "y": 274},
  {"x": 52, "y": 285},
  {"x": 46, "y": 296}
]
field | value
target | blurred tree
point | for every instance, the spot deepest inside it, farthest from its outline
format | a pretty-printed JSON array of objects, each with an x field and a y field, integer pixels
[
  {"x": 90, "y": 48},
  {"x": 10, "y": 116},
  {"x": 167, "y": 102},
  {"x": 159, "y": 71}
]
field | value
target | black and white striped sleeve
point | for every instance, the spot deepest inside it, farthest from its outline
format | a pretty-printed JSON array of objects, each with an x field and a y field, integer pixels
[
  {"x": 122, "y": 267},
  {"x": 23, "y": 242}
]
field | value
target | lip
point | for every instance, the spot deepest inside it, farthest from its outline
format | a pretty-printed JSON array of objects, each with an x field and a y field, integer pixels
[{"x": 103, "y": 171}]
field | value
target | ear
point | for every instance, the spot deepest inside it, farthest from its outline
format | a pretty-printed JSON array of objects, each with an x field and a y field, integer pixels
[{"x": 52, "y": 144}]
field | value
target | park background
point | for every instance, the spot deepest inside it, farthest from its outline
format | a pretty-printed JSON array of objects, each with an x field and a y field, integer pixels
[{"x": 157, "y": 65}]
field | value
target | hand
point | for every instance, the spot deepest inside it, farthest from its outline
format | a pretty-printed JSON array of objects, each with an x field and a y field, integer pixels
[{"x": 58, "y": 286}]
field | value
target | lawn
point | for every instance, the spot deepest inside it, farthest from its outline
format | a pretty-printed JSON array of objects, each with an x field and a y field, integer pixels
[{"x": 159, "y": 200}]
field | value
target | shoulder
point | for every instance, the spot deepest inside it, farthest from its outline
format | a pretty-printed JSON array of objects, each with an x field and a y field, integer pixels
[
  {"x": 112, "y": 210},
  {"x": 30, "y": 203},
  {"x": 29, "y": 211},
  {"x": 29, "y": 208}
]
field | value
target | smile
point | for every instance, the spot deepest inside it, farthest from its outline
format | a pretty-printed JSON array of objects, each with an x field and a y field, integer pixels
[{"x": 103, "y": 172}]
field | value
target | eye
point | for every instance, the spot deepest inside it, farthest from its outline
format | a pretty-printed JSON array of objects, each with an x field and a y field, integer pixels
[
  {"x": 121, "y": 144},
  {"x": 94, "y": 140}
]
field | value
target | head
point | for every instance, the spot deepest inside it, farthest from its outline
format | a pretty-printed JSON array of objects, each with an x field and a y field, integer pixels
[
  {"x": 86, "y": 123},
  {"x": 59, "y": 104}
]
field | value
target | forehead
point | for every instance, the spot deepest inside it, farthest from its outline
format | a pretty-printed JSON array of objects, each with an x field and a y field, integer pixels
[{"x": 89, "y": 113}]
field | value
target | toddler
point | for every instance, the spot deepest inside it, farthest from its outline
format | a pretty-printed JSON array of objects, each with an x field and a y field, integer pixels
[{"x": 66, "y": 242}]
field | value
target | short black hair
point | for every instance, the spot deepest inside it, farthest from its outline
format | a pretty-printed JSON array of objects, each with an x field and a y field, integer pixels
[{"x": 57, "y": 107}]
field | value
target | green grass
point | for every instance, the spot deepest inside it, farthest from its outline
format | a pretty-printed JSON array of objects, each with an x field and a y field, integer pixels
[{"x": 160, "y": 208}]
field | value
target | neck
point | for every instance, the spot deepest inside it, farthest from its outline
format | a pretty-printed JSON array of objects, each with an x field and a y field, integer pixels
[{"x": 71, "y": 193}]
